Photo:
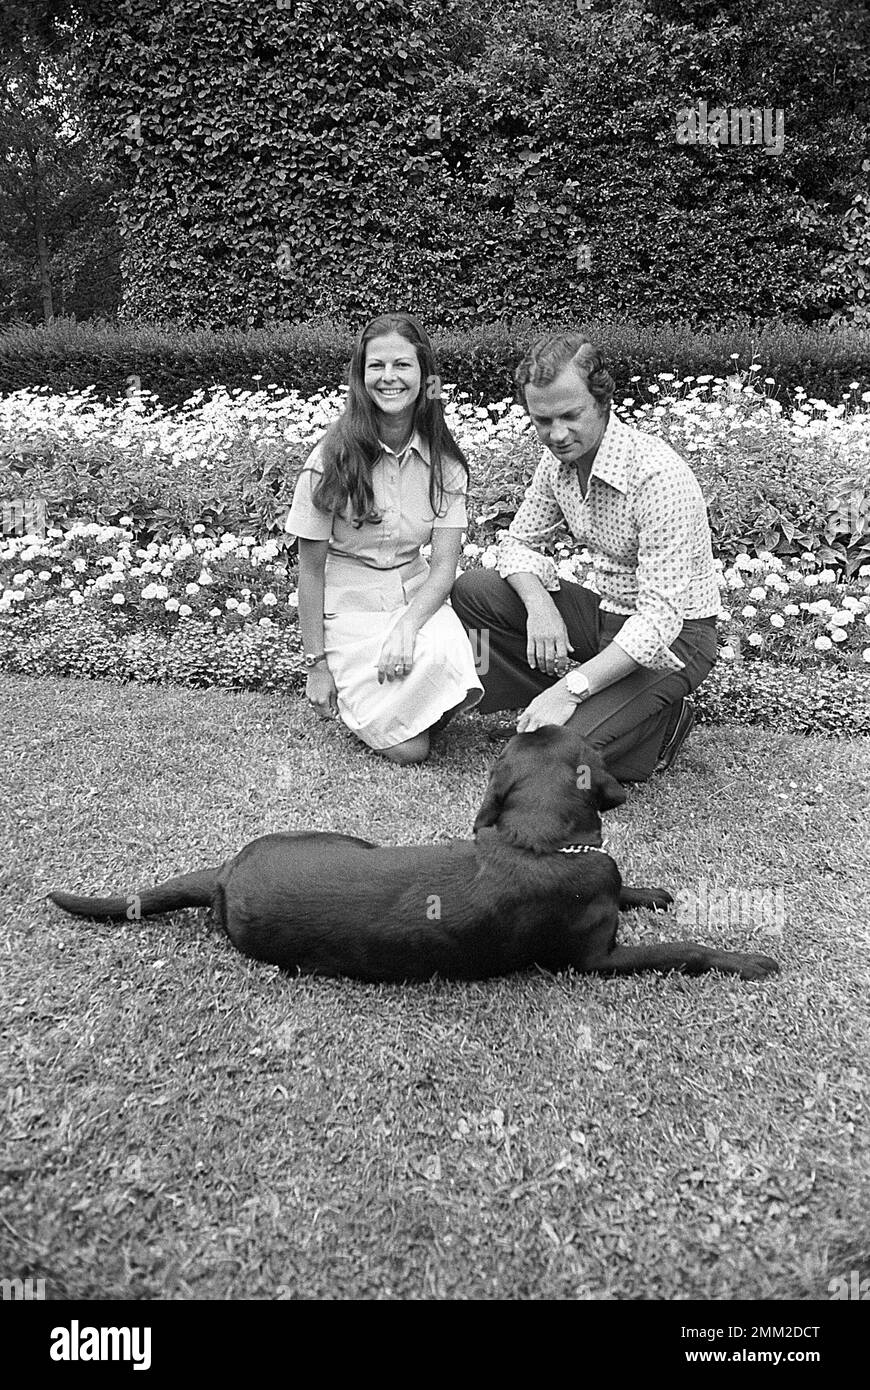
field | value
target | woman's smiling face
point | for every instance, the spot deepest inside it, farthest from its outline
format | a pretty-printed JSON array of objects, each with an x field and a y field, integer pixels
[{"x": 392, "y": 374}]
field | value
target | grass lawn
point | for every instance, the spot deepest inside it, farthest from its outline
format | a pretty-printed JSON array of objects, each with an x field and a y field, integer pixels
[{"x": 183, "y": 1123}]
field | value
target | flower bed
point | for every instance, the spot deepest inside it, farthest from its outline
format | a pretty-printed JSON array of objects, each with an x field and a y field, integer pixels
[{"x": 170, "y": 593}]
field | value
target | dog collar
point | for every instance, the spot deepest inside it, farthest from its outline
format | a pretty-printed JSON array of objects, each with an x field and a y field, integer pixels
[{"x": 582, "y": 849}]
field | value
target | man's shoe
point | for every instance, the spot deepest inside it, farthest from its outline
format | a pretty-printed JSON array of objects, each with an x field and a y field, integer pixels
[{"x": 682, "y": 729}]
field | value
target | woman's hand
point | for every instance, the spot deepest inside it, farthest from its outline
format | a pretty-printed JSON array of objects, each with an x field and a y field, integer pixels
[
  {"x": 397, "y": 653},
  {"x": 321, "y": 691},
  {"x": 547, "y": 644}
]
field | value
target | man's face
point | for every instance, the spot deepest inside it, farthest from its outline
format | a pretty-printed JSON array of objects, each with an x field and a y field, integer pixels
[{"x": 566, "y": 416}]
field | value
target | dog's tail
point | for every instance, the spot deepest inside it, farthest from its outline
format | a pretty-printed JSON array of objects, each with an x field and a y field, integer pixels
[{"x": 187, "y": 890}]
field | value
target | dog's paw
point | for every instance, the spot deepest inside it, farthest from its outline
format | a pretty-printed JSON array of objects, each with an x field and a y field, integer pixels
[
  {"x": 757, "y": 967},
  {"x": 658, "y": 898}
]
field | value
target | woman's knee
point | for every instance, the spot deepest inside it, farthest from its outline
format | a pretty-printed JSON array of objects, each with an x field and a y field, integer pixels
[{"x": 413, "y": 750}]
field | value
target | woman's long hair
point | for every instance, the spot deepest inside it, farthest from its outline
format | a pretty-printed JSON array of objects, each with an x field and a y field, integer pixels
[{"x": 351, "y": 448}]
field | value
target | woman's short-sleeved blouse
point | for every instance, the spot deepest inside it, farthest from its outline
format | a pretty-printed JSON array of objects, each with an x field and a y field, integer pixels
[{"x": 401, "y": 494}]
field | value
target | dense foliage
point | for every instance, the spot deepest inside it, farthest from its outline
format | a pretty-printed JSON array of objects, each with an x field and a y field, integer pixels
[{"x": 472, "y": 159}]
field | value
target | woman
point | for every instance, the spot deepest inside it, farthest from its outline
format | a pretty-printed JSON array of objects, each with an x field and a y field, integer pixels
[{"x": 382, "y": 646}]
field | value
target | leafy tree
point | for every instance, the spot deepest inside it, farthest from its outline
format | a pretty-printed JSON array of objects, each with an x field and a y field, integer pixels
[{"x": 55, "y": 199}]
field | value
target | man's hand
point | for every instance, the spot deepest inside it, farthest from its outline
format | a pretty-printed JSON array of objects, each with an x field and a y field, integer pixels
[
  {"x": 397, "y": 653},
  {"x": 321, "y": 691},
  {"x": 547, "y": 644},
  {"x": 553, "y": 706}
]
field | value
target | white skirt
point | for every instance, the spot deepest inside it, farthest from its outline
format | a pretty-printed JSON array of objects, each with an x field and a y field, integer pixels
[{"x": 442, "y": 677}]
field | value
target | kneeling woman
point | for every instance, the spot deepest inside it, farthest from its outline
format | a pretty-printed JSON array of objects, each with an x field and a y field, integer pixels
[{"x": 382, "y": 645}]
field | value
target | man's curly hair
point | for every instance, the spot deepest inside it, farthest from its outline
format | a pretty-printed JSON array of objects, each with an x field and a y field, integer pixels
[{"x": 551, "y": 354}]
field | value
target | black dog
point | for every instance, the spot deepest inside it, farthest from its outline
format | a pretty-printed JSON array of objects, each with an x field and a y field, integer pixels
[{"x": 534, "y": 888}]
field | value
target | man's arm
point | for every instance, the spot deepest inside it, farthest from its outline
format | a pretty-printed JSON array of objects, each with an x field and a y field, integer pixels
[{"x": 531, "y": 575}]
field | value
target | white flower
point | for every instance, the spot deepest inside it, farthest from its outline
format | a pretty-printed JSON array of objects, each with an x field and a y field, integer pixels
[
  {"x": 727, "y": 653},
  {"x": 76, "y": 598},
  {"x": 776, "y": 620},
  {"x": 44, "y": 576},
  {"x": 191, "y": 588},
  {"x": 269, "y": 600},
  {"x": 243, "y": 609},
  {"x": 488, "y": 559},
  {"x": 792, "y": 610},
  {"x": 198, "y": 529},
  {"x": 827, "y": 576},
  {"x": 214, "y": 613},
  {"x": 231, "y": 603},
  {"x": 293, "y": 601},
  {"x": 118, "y": 598},
  {"x": 758, "y": 594},
  {"x": 754, "y": 639},
  {"x": 205, "y": 578},
  {"x": 171, "y": 605},
  {"x": 865, "y": 655},
  {"x": 852, "y": 604},
  {"x": 748, "y": 611},
  {"x": 823, "y": 643},
  {"x": 184, "y": 610},
  {"x": 838, "y": 634},
  {"x": 264, "y": 622}
]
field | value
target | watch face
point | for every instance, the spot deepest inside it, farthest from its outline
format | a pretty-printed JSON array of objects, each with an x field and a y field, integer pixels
[{"x": 577, "y": 683}]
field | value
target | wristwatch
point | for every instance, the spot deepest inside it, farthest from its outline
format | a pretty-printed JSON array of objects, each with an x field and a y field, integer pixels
[
  {"x": 311, "y": 661},
  {"x": 577, "y": 685}
]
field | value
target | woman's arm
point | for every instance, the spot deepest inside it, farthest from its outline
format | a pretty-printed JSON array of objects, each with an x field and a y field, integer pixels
[
  {"x": 446, "y": 543},
  {"x": 398, "y": 649},
  {"x": 312, "y": 568},
  {"x": 319, "y": 685}
]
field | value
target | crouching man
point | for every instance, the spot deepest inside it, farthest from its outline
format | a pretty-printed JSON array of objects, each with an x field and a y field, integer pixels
[{"x": 620, "y": 663}]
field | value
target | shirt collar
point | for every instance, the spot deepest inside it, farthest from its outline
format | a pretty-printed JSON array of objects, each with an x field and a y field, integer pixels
[
  {"x": 416, "y": 442},
  {"x": 611, "y": 460}
]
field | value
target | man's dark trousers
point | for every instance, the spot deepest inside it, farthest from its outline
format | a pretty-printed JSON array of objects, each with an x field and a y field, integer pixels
[{"x": 629, "y": 721}]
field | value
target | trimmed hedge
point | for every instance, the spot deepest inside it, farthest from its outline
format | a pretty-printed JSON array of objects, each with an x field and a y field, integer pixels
[
  {"x": 473, "y": 159},
  {"x": 173, "y": 364}
]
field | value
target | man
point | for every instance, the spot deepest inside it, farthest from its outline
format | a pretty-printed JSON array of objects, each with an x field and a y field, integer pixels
[{"x": 646, "y": 639}]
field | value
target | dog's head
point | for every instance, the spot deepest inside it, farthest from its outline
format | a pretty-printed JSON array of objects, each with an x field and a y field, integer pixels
[{"x": 547, "y": 789}]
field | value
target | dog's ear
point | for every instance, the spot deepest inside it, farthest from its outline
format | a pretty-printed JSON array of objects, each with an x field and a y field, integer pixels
[
  {"x": 609, "y": 791},
  {"x": 493, "y": 799}
]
